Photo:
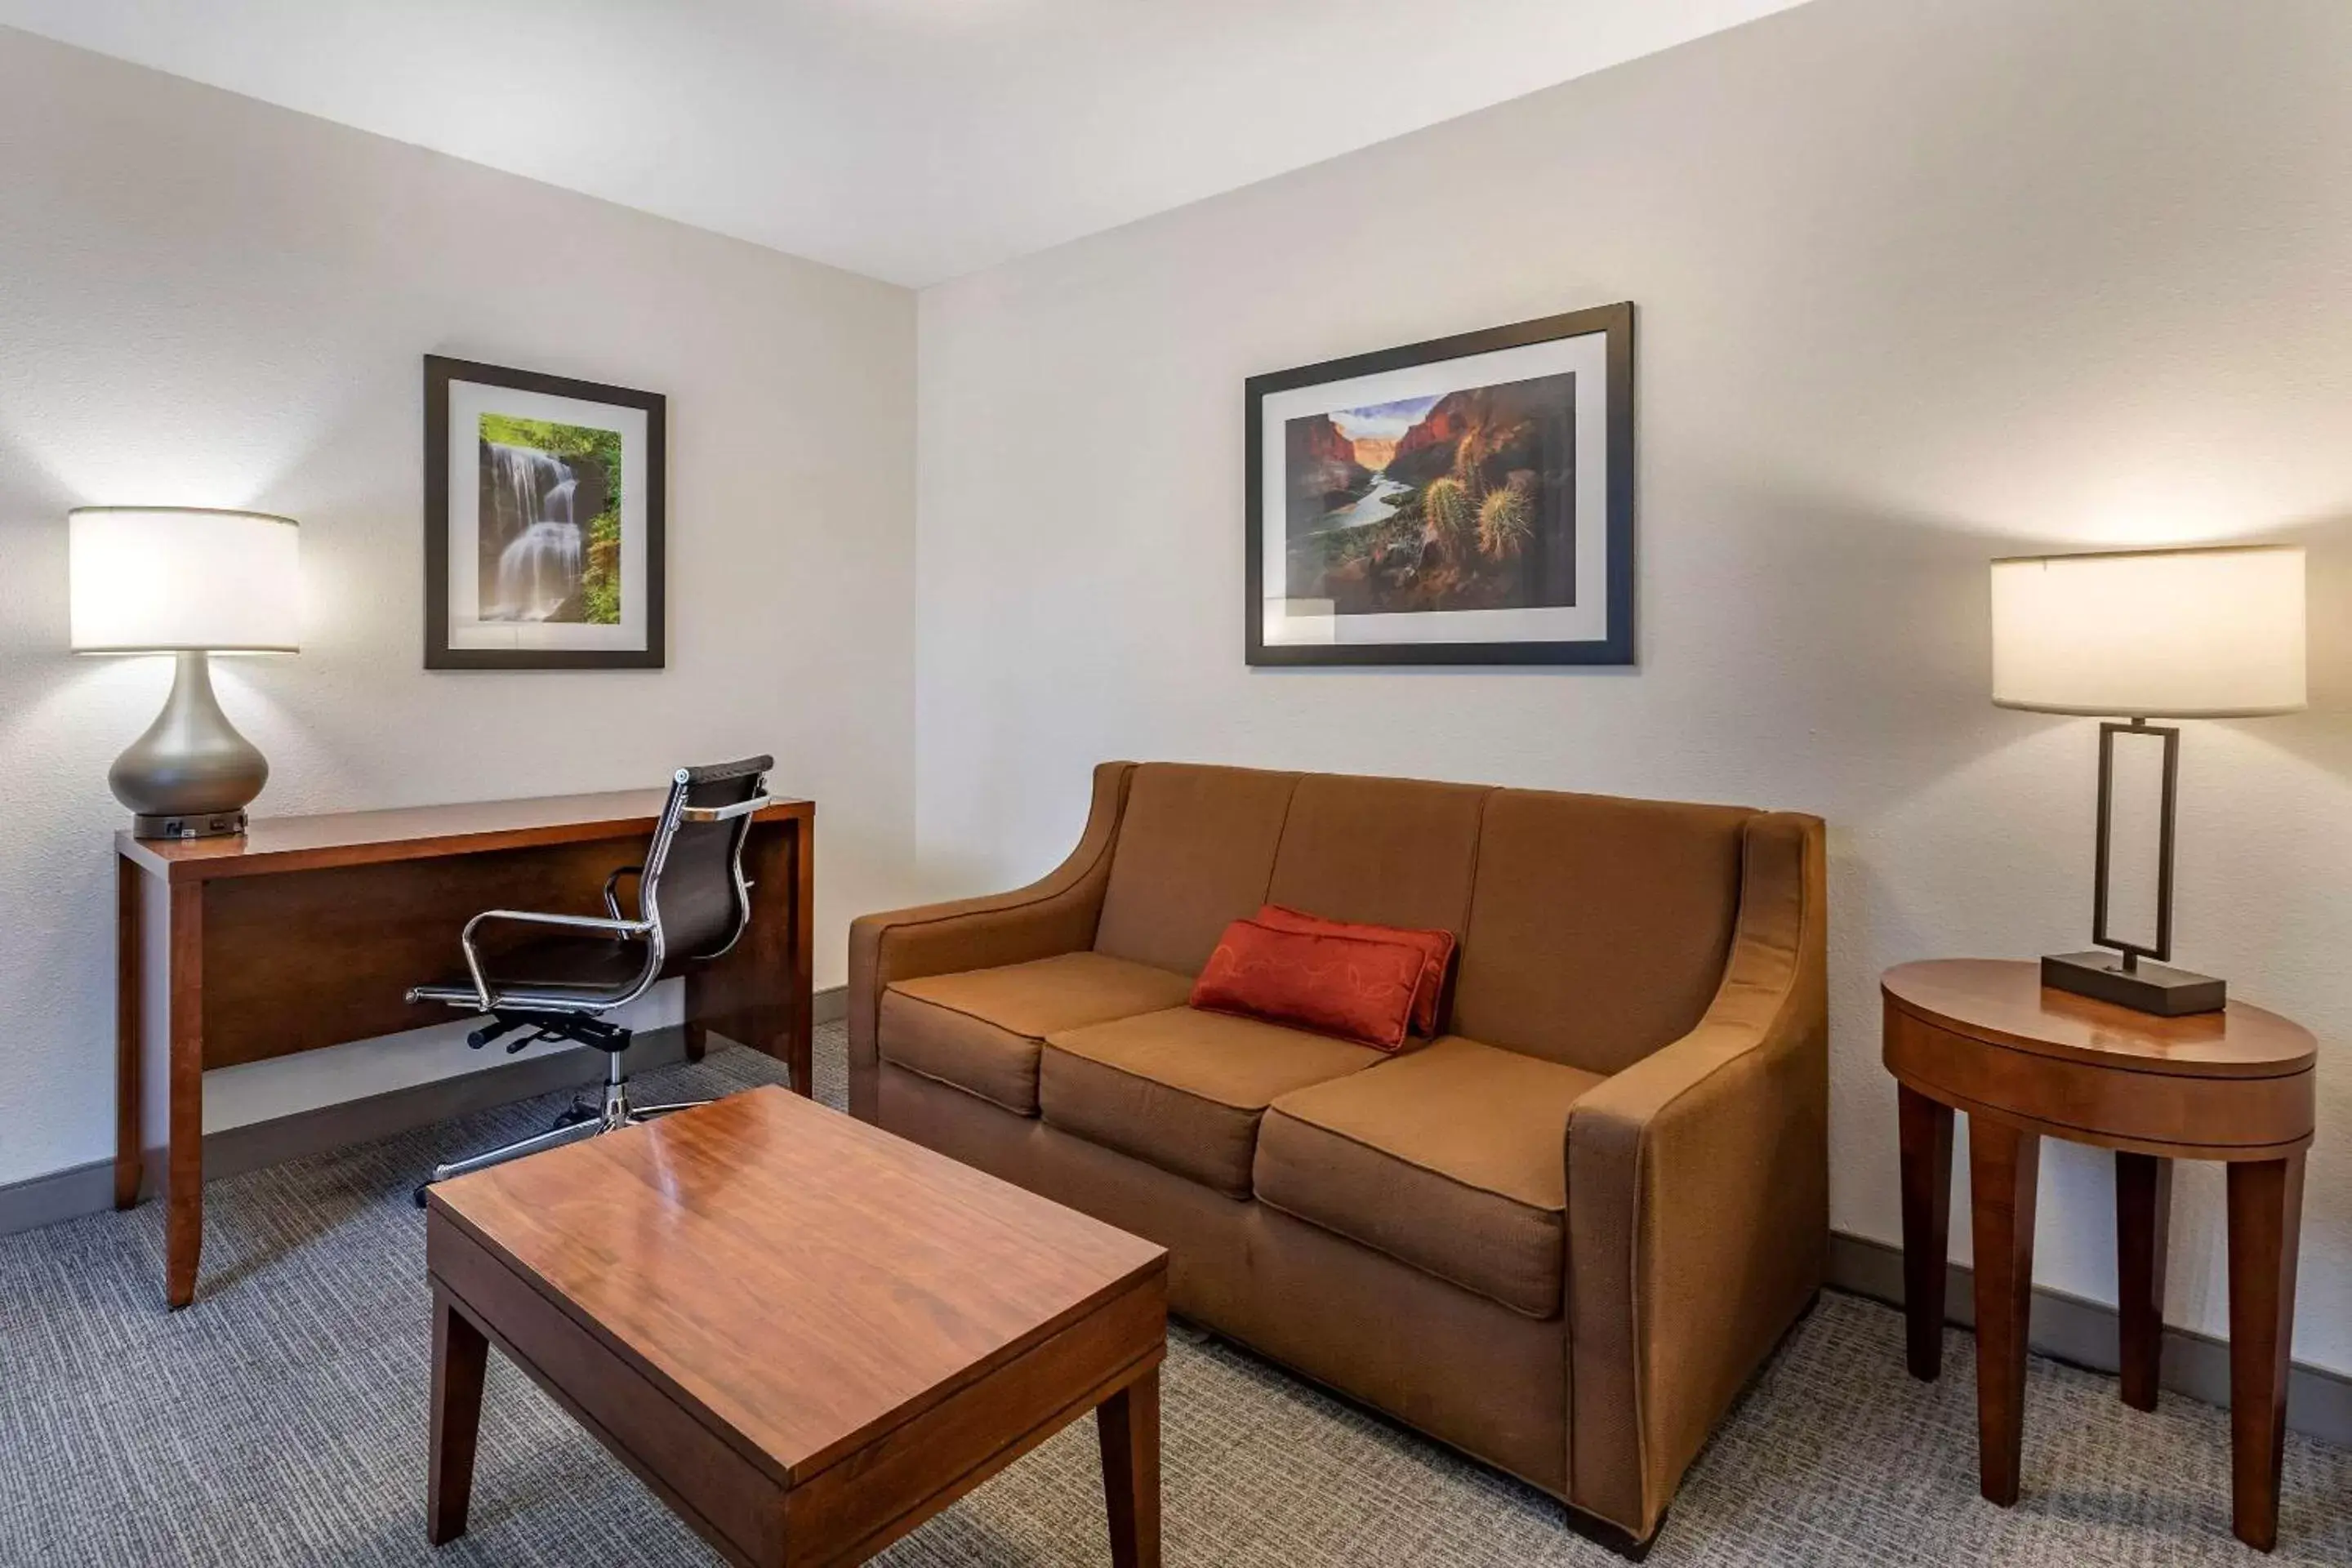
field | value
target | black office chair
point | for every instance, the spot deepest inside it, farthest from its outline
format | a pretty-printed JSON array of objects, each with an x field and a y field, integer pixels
[{"x": 692, "y": 903}]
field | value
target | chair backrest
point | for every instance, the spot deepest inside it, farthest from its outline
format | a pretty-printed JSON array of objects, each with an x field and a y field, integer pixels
[{"x": 692, "y": 889}]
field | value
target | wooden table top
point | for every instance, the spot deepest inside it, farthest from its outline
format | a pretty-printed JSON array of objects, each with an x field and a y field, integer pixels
[
  {"x": 809, "y": 1280},
  {"x": 2003, "y": 1000},
  {"x": 409, "y": 832}
]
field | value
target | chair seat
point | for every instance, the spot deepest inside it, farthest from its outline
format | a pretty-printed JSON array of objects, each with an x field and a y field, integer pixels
[
  {"x": 557, "y": 969},
  {"x": 1453, "y": 1159},
  {"x": 980, "y": 1030},
  {"x": 1183, "y": 1089}
]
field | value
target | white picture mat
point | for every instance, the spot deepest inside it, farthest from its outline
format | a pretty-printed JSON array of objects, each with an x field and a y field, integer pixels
[
  {"x": 468, "y": 401},
  {"x": 1294, "y": 622}
]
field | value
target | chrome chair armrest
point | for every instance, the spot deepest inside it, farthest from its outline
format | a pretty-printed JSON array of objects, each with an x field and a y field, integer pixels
[
  {"x": 612, "y": 886},
  {"x": 620, "y": 927},
  {"x": 726, "y": 813}
]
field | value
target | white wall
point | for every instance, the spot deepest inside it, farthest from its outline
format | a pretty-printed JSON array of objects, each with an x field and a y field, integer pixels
[
  {"x": 210, "y": 302},
  {"x": 1919, "y": 284}
]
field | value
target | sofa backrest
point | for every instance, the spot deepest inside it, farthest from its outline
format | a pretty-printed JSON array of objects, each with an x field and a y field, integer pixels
[
  {"x": 1599, "y": 927},
  {"x": 1594, "y": 929},
  {"x": 1394, "y": 852},
  {"x": 1195, "y": 849}
]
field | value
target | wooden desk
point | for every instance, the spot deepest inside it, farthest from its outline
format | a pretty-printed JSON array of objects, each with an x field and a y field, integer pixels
[
  {"x": 1984, "y": 1036},
  {"x": 306, "y": 931}
]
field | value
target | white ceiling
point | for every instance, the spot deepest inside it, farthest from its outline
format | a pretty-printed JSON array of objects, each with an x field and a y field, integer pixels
[{"x": 911, "y": 140}]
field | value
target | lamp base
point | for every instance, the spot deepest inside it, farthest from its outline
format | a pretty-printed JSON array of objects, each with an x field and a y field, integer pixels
[
  {"x": 191, "y": 776},
  {"x": 192, "y": 824},
  {"x": 2155, "y": 988}
]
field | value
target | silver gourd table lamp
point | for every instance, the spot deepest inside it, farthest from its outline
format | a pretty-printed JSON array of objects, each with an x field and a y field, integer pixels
[
  {"x": 189, "y": 582},
  {"x": 2138, "y": 635}
]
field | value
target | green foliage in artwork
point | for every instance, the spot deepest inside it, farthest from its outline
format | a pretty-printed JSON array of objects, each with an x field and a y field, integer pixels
[
  {"x": 1446, "y": 505},
  {"x": 558, "y": 441},
  {"x": 600, "y": 577}
]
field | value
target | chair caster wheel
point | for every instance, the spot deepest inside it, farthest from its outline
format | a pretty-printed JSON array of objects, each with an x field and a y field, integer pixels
[
  {"x": 577, "y": 1114},
  {"x": 422, "y": 1188}
]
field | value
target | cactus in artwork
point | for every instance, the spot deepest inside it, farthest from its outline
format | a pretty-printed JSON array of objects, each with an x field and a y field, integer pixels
[
  {"x": 1506, "y": 522},
  {"x": 1446, "y": 506}
]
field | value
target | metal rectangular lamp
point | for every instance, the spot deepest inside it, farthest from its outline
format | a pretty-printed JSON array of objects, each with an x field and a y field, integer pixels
[
  {"x": 189, "y": 582},
  {"x": 2138, "y": 635}
]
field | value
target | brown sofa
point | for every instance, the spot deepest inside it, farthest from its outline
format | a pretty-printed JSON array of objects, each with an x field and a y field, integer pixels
[{"x": 1559, "y": 1237}]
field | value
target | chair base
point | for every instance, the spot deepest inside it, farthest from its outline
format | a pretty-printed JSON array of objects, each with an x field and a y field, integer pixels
[{"x": 581, "y": 1122}]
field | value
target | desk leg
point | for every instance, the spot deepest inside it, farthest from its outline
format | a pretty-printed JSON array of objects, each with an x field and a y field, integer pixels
[
  {"x": 1927, "y": 1135},
  {"x": 2265, "y": 1235},
  {"x": 759, "y": 995},
  {"x": 2143, "y": 1234},
  {"x": 800, "y": 1047},
  {"x": 460, "y": 1356},
  {"x": 2004, "y": 1176},
  {"x": 184, "y": 1224},
  {"x": 129, "y": 1124},
  {"x": 1128, "y": 1424}
]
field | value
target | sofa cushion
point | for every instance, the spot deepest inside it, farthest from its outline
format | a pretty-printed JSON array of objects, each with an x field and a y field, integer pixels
[
  {"x": 1453, "y": 1160},
  {"x": 979, "y": 1030},
  {"x": 1183, "y": 1089},
  {"x": 1598, "y": 928},
  {"x": 1195, "y": 849}
]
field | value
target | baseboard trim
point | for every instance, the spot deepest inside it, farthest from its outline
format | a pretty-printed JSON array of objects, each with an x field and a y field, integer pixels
[
  {"x": 69, "y": 1194},
  {"x": 233, "y": 1151},
  {"x": 86, "y": 1190},
  {"x": 2085, "y": 1333},
  {"x": 2064, "y": 1327},
  {"x": 81, "y": 1190}
]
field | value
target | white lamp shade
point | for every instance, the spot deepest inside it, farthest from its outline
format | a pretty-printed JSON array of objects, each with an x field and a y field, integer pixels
[
  {"x": 2178, "y": 634},
  {"x": 159, "y": 579}
]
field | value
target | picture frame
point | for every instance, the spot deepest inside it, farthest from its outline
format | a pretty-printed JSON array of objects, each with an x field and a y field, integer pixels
[
  {"x": 544, "y": 520},
  {"x": 1439, "y": 503}
]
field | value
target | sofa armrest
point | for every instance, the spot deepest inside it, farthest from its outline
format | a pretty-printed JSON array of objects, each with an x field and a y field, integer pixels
[
  {"x": 1698, "y": 1195},
  {"x": 1055, "y": 914}
]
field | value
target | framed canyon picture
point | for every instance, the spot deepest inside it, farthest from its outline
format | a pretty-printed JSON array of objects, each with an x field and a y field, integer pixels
[
  {"x": 1469, "y": 501},
  {"x": 542, "y": 520}
]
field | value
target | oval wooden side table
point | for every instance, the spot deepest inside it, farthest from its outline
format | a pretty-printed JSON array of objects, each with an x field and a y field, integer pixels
[{"x": 1985, "y": 1037}]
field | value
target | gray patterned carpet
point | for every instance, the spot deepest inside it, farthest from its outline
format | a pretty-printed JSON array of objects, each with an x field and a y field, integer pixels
[{"x": 281, "y": 1420}]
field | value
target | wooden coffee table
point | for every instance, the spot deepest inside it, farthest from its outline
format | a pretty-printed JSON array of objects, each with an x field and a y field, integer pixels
[{"x": 806, "y": 1335}]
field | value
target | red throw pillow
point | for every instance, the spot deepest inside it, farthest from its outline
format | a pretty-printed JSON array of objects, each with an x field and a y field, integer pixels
[
  {"x": 1437, "y": 947},
  {"x": 1351, "y": 987}
]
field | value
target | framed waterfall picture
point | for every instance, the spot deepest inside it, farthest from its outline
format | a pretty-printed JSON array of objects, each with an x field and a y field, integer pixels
[
  {"x": 1469, "y": 501},
  {"x": 542, "y": 522}
]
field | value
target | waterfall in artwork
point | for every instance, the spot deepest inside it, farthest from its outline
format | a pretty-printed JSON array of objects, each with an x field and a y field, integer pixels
[{"x": 536, "y": 536}]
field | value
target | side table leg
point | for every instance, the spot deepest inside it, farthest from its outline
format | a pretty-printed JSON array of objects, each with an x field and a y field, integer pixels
[
  {"x": 1128, "y": 1425},
  {"x": 460, "y": 1355},
  {"x": 2004, "y": 1178},
  {"x": 2143, "y": 1234},
  {"x": 1927, "y": 1135},
  {"x": 2266, "y": 1234}
]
